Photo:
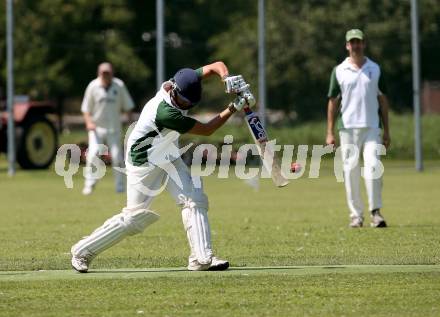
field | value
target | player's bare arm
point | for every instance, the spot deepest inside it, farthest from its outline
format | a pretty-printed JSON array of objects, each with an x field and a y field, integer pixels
[
  {"x": 212, "y": 125},
  {"x": 90, "y": 125},
  {"x": 215, "y": 123},
  {"x": 218, "y": 68},
  {"x": 384, "y": 106},
  {"x": 332, "y": 109}
]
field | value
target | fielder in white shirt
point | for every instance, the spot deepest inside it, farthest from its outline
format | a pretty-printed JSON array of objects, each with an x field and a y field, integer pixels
[
  {"x": 104, "y": 100},
  {"x": 154, "y": 164},
  {"x": 357, "y": 93}
]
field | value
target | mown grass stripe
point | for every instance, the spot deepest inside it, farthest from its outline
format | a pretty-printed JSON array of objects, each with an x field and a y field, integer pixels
[{"x": 182, "y": 272}]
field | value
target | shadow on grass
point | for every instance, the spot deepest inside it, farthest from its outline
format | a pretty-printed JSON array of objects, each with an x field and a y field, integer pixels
[
  {"x": 138, "y": 271},
  {"x": 275, "y": 268},
  {"x": 263, "y": 268}
]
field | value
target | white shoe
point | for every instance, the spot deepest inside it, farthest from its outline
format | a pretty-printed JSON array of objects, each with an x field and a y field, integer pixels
[
  {"x": 218, "y": 264},
  {"x": 356, "y": 222},
  {"x": 80, "y": 263},
  {"x": 377, "y": 220},
  {"x": 87, "y": 190},
  {"x": 194, "y": 265},
  {"x": 215, "y": 265}
]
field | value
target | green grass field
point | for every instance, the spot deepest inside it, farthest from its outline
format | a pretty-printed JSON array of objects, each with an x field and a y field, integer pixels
[{"x": 290, "y": 250}]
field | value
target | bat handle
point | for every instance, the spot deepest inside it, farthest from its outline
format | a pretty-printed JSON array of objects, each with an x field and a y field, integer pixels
[{"x": 247, "y": 110}]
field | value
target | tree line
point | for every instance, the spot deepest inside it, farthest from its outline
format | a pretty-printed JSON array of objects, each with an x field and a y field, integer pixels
[{"x": 58, "y": 45}]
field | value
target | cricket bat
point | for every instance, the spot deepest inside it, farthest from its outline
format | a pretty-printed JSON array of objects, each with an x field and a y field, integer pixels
[{"x": 266, "y": 153}]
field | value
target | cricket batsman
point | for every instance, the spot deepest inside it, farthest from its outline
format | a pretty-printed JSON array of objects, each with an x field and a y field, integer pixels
[{"x": 153, "y": 163}]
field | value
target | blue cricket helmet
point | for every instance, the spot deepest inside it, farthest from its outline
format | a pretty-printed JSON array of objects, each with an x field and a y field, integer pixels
[{"x": 188, "y": 84}]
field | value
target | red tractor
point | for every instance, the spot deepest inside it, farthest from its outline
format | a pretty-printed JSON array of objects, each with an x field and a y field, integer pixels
[{"x": 36, "y": 136}]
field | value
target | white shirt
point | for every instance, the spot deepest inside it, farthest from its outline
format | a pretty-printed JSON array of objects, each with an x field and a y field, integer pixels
[
  {"x": 358, "y": 89},
  {"x": 155, "y": 137},
  {"x": 105, "y": 104}
]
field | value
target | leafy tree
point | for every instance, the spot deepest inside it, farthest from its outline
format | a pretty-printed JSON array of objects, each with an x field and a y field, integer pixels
[
  {"x": 58, "y": 45},
  {"x": 305, "y": 40}
]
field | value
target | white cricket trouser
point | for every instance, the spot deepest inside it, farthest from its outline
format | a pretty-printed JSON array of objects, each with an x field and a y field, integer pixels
[
  {"x": 367, "y": 141},
  {"x": 113, "y": 141},
  {"x": 145, "y": 183}
]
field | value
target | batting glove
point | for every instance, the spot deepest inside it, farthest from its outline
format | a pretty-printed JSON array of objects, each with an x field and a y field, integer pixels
[
  {"x": 235, "y": 84},
  {"x": 238, "y": 103},
  {"x": 250, "y": 99}
]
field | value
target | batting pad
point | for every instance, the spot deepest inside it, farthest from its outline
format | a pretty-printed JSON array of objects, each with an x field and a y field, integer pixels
[
  {"x": 195, "y": 221},
  {"x": 126, "y": 223}
]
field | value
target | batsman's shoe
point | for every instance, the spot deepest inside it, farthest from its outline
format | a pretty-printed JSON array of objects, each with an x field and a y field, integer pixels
[
  {"x": 356, "y": 222},
  {"x": 80, "y": 263},
  {"x": 218, "y": 264},
  {"x": 194, "y": 265},
  {"x": 215, "y": 265},
  {"x": 87, "y": 190},
  {"x": 377, "y": 221}
]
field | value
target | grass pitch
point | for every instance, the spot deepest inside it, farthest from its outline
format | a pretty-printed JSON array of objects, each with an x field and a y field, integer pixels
[{"x": 291, "y": 251}]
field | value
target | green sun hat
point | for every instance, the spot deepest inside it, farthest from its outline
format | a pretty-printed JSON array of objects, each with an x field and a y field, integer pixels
[{"x": 354, "y": 34}]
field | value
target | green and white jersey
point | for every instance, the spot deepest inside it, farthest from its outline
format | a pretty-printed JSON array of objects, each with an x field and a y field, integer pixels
[
  {"x": 358, "y": 90},
  {"x": 155, "y": 137}
]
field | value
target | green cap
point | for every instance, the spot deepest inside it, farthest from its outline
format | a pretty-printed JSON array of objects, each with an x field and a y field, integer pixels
[{"x": 354, "y": 34}]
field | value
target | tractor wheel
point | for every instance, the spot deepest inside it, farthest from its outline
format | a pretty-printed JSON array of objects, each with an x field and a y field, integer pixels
[{"x": 37, "y": 142}]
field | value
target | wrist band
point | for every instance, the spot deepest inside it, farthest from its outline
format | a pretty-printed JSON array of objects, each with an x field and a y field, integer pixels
[{"x": 231, "y": 108}]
